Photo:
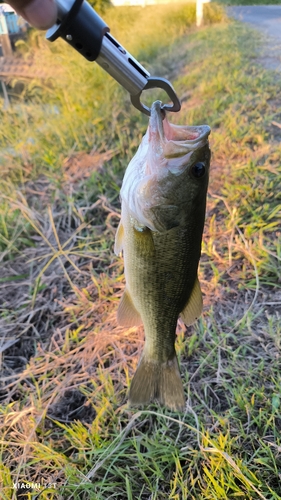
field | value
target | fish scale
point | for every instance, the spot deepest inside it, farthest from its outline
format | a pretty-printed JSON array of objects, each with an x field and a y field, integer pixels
[{"x": 159, "y": 327}]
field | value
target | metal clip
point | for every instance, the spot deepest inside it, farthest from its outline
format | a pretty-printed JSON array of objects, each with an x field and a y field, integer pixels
[
  {"x": 160, "y": 83},
  {"x": 80, "y": 26}
]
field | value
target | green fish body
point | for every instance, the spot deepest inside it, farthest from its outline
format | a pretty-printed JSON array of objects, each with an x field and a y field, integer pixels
[{"x": 163, "y": 212}]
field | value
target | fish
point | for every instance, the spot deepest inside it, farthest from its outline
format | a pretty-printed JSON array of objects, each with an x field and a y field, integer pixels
[{"x": 163, "y": 205}]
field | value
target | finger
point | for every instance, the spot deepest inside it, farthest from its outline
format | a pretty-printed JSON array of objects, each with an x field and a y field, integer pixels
[{"x": 41, "y": 14}]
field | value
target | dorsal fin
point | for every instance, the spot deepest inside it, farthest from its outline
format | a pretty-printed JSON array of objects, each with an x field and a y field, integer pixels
[{"x": 194, "y": 306}]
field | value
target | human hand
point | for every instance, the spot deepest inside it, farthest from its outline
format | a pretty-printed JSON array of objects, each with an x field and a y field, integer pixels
[{"x": 41, "y": 14}]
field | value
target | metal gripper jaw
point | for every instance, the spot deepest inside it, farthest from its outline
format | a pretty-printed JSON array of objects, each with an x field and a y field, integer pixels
[{"x": 80, "y": 26}]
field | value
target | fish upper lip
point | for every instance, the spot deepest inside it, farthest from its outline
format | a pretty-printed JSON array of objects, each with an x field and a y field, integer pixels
[{"x": 157, "y": 127}]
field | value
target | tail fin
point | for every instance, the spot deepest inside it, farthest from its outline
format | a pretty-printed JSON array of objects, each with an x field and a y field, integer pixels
[{"x": 158, "y": 381}]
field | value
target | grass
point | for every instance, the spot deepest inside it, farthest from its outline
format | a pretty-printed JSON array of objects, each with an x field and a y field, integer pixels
[{"x": 66, "y": 364}]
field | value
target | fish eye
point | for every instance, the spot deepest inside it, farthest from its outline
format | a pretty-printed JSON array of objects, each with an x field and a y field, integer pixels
[{"x": 199, "y": 169}]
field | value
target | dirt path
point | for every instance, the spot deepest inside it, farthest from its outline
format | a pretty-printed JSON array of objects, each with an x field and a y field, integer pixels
[{"x": 267, "y": 20}]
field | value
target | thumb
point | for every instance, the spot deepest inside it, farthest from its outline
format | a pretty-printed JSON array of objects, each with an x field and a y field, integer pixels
[{"x": 41, "y": 14}]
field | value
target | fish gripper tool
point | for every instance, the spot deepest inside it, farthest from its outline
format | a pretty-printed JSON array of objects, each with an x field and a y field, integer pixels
[{"x": 80, "y": 26}]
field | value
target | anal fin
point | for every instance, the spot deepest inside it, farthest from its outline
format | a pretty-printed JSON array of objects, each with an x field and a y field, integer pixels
[
  {"x": 118, "y": 246},
  {"x": 127, "y": 315},
  {"x": 193, "y": 309}
]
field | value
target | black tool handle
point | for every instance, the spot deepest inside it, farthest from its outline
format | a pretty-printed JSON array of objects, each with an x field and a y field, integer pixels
[{"x": 81, "y": 27}]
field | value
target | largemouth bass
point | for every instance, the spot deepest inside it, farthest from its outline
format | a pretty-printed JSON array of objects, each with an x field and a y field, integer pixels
[{"x": 163, "y": 199}]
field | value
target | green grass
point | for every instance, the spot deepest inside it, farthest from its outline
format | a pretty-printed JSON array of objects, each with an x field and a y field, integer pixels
[{"x": 66, "y": 364}]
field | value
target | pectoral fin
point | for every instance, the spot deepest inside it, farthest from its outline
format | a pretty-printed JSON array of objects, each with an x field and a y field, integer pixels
[
  {"x": 144, "y": 242},
  {"x": 118, "y": 247},
  {"x": 127, "y": 315},
  {"x": 193, "y": 309}
]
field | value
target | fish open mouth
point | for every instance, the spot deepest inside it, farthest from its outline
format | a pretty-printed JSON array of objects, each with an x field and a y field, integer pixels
[
  {"x": 174, "y": 140},
  {"x": 166, "y": 152}
]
